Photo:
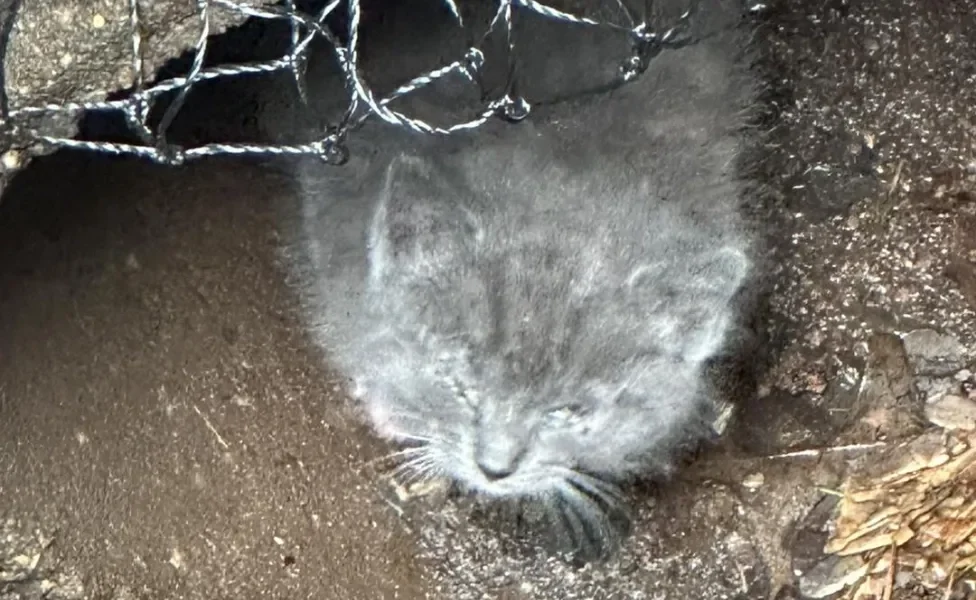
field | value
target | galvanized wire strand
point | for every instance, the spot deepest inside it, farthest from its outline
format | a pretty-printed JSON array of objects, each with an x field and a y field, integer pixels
[
  {"x": 137, "y": 112},
  {"x": 176, "y": 154},
  {"x": 363, "y": 103}
]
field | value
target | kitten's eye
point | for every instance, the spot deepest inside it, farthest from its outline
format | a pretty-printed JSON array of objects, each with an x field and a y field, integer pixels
[
  {"x": 468, "y": 398},
  {"x": 464, "y": 396},
  {"x": 567, "y": 413}
]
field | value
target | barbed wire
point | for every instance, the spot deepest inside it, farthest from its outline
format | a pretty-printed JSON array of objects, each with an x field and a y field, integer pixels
[{"x": 363, "y": 103}]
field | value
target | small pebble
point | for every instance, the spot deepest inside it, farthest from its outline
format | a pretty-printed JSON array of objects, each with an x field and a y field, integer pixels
[
  {"x": 932, "y": 353},
  {"x": 11, "y": 160},
  {"x": 952, "y": 412},
  {"x": 754, "y": 481}
]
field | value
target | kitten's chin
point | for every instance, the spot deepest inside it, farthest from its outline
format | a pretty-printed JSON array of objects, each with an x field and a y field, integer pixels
[{"x": 573, "y": 515}]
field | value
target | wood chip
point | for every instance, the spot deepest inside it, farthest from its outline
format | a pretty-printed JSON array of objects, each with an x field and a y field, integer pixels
[{"x": 917, "y": 514}]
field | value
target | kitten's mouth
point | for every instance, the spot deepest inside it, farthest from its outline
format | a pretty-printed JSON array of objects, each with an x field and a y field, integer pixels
[
  {"x": 508, "y": 481},
  {"x": 506, "y": 485},
  {"x": 517, "y": 481}
]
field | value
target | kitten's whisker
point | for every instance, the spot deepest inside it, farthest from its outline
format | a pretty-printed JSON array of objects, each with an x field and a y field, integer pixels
[
  {"x": 412, "y": 464},
  {"x": 403, "y": 468},
  {"x": 417, "y": 469},
  {"x": 423, "y": 473},
  {"x": 570, "y": 522},
  {"x": 587, "y": 518},
  {"x": 431, "y": 471},
  {"x": 412, "y": 450},
  {"x": 596, "y": 488},
  {"x": 398, "y": 454},
  {"x": 416, "y": 438}
]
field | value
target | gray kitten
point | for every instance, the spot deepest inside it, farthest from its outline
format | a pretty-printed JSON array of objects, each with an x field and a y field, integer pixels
[{"x": 530, "y": 307}]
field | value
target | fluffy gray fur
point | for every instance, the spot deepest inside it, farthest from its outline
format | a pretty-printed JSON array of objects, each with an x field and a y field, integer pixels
[{"x": 530, "y": 307}]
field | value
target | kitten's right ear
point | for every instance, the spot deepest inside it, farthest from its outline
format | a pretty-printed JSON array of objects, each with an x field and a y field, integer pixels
[
  {"x": 407, "y": 173},
  {"x": 419, "y": 220}
]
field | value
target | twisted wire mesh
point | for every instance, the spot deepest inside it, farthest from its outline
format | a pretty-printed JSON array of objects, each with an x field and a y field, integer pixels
[{"x": 304, "y": 29}]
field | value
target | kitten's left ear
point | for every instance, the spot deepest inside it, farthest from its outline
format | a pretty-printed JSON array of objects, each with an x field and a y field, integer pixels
[
  {"x": 687, "y": 305},
  {"x": 723, "y": 270},
  {"x": 714, "y": 273}
]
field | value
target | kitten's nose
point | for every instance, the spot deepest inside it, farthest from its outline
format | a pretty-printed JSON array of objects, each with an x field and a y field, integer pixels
[
  {"x": 499, "y": 459},
  {"x": 500, "y": 448}
]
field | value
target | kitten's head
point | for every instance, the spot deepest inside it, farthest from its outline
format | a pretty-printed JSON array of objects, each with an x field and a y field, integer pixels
[{"x": 526, "y": 360}]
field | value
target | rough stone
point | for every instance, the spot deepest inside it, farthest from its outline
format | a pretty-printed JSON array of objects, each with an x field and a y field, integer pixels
[
  {"x": 832, "y": 575},
  {"x": 952, "y": 412},
  {"x": 934, "y": 388},
  {"x": 933, "y": 353}
]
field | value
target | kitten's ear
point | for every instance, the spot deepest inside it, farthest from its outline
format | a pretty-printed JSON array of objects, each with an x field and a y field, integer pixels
[
  {"x": 720, "y": 272},
  {"x": 686, "y": 305},
  {"x": 420, "y": 221},
  {"x": 724, "y": 270}
]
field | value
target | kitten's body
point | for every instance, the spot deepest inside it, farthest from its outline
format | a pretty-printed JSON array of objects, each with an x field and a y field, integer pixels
[{"x": 533, "y": 304}]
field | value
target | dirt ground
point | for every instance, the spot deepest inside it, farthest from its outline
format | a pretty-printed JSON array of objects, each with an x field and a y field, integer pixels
[{"x": 168, "y": 432}]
